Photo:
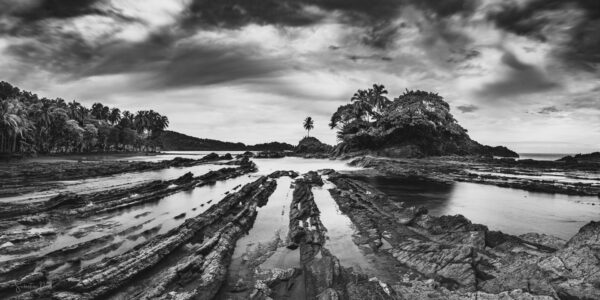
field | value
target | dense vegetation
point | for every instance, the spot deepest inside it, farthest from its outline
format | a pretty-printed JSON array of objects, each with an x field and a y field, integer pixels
[
  {"x": 29, "y": 124},
  {"x": 582, "y": 158},
  {"x": 417, "y": 123},
  {"x": 170, "y": 140}
]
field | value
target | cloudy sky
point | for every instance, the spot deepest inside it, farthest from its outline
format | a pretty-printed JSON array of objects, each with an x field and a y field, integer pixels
[{"x": 524, "y": 73}]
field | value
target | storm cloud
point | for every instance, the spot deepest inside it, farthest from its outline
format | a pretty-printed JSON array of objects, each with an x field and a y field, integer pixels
[{"x": 285, "y": 59}]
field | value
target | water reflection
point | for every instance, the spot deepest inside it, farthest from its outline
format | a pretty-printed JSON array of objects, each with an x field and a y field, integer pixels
[
  {"x": 509, "y": 210},
  {"x": 340, "y": 231}
]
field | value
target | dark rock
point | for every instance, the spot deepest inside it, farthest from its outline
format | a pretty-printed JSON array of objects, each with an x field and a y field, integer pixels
[
  {"x": 205, "y": 268},
  {"x": 211, "y": 156},
  {"x": 34, "y": 219},
  {"x": 310, "y": 145},
  {"x": 543, "y": 240},
  {"x": 465, "y": 260},
  {"x": 65, "y": 200},
  {"x": 270, "y": 154},
  {"x": 499, "y": 151},
  {"x": 574, "y": 271},
  {"x": 246, "y": 154},
  {"x": 313, "y": 178},
  {"x": 278, "y": 174},
  {"x": 327, "y": 171},
  {"x": 226, "y": 157},
  {"x": 185, "y": 178}
]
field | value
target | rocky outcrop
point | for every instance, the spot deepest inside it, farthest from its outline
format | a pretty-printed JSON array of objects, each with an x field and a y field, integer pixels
[
  {"x": 19, "y": 178},
  {"x": 245, "y": 154},
  {"x": 498, "y": 151},
  {"x": 416, "y": 124},
  {"x": 311, "y": 145},
  {"x": 204, "y": 267},
  {"x": 574, "y": 271},
  {"x": 103, "y": 202},
  {"x": 305, "y": 225},
  {"x": 280, "y": 173},
  {"x": 525, "y": 175},
  {"x": 448, "y": 257},
  {"x": 324, "y": 277},
  {"x": 83, "y": 205}
]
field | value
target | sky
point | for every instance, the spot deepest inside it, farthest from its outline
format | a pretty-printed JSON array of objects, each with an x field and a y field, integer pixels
[{"x": 524, "y": 74}]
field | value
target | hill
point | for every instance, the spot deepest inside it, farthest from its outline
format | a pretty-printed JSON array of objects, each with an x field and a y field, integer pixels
[{"x": 175, "y": 141}]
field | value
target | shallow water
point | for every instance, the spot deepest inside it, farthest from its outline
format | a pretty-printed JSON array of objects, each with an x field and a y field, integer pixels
[
  {"x": 509, "y": 210},
  {"x": 272, "y": 220},
  {"x": 91, "y": 185},
  {"x": 159, "y": 217},
  {"x": 340, "y": 231},
  {"x": 543, "y": 156}
]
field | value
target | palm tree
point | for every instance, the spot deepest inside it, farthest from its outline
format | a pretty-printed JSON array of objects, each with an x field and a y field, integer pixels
[
  {"x": 97, "y": 109},
  {"x": 128, "y": 116},
  {"x": 361, "y": 109},
  {"x": 40, "y": 114},
  {"x": 362, "y": 103},
  {"x": 115, "y": 116},
  {"x": 141, "y": 121},
  {"x": 308, "y": 124},
  {"x": 14, "y": 124},
  {"x": 77, "y": 111},
  {"x": 156, "y": 122},
  {"x": 377, "y": 98}
]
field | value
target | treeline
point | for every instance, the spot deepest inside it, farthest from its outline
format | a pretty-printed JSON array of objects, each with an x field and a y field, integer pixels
[
  {"x": 170, "y": 140},
  {"x": 29, "y": 124}
]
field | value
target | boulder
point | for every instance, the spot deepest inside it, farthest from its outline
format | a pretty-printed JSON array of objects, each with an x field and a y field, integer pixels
[{"x": 313, "y": 178}]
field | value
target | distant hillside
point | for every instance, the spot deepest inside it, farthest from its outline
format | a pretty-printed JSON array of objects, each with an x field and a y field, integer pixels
[
  {"x": 272, "y": 146},
  {"x": 582, "y": 158},
  {"x": 175, "y": 141}
]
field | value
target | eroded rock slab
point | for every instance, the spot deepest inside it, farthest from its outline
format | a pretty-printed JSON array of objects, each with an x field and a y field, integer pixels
[
  {"x": 204, "y": 267},
  {"x": 465, "y": 260}
]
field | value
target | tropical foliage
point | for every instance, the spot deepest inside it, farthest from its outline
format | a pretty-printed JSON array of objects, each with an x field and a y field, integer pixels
[
  {"x": 308, "y": 124},
  {"x": 416, "y": 118},
  {"x": 40, "y": 125}
]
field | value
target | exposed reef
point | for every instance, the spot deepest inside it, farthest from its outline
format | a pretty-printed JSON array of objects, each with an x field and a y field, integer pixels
[
  {"x": 196, "y": 253},
  {"x": 22, "y": 177},
  {"x": 116, "y": 244},
  {"x": 576, "y": 179},
  {"x": 450, "y": 257}
]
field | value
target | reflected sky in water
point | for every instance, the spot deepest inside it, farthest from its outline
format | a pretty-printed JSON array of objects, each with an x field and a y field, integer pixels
[{"x": 509, "y": 210}]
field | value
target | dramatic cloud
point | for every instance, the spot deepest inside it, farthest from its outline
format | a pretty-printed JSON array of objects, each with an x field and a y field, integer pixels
[
  {"x": 218, "y": 68},
  {"x": 549, "y": 110},
  {"x": 519, "y": 78},
  {"x": 467, "y": 108},
  {"x": 571, "y": 26}
]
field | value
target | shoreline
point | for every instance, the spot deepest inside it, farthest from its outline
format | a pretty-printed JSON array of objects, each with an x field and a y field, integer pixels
[{"x": 447, "y": 256}]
